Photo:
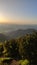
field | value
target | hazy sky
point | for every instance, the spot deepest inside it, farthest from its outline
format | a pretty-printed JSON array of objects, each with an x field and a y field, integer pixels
[{"x": 18, "y": 11}]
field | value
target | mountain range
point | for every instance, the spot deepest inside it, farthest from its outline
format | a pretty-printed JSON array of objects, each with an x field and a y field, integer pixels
[{"x": 15, "y": 34}]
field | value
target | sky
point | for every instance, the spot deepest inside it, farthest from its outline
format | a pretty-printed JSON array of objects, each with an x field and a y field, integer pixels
[{"x": 18, "y": 11}]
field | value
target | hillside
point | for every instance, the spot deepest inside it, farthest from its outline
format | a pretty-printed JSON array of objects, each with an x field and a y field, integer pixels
[{"x": 22, "y": 50}]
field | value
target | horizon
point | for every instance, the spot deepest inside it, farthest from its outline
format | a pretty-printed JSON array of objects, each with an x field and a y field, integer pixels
[
  {"x": 16, "y": 24},
  {"x": 20, "y": 12}
]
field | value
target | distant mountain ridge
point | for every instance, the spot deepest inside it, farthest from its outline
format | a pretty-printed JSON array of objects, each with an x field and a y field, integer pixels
[
  {"x": 19, "y": 33},
  {"x": 15, "y": 34},
  {"x": 8, "y": 27}
]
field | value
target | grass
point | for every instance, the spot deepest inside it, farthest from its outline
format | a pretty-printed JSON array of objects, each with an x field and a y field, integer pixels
[{"x": 2, "y": 59}]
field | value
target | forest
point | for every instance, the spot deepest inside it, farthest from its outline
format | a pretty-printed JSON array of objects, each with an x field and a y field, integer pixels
[{"x": 22, "y": 50}]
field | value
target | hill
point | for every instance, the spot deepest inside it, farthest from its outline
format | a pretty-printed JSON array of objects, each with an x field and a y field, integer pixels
[
  {"x": 19, "y": 33},
  {"x": 15, "y": 34},
  {"x": 22, "y": 50}
]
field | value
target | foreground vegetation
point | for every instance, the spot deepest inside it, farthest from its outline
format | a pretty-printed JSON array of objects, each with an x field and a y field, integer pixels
[{"x": 23, "y": 50}]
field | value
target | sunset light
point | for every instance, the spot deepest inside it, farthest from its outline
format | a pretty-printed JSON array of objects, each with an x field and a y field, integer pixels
[{"x": 18, "y": 12}]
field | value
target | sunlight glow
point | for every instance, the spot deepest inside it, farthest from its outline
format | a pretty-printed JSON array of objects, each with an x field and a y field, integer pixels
[{"x": 14, "y": 20}]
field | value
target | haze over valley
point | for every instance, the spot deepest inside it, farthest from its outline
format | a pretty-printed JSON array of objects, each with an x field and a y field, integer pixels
[{"x": 4, "y": 28}]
